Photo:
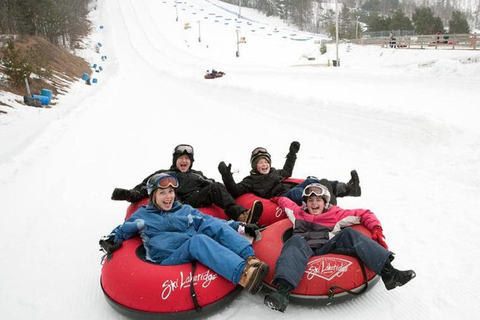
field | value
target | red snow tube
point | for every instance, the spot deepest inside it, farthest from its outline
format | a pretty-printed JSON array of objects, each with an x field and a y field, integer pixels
[
  {"x": 323, "y": 274},
  {"x": 219, "y": 74},
  {"x": 140, "y": 289},
  {"x": 271, "y": 212}
]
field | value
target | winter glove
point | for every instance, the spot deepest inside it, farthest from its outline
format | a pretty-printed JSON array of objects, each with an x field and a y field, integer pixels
[
  {"x": 294, "y": 147},
  {"x": 108, "y": 245},
  {"x": 275, "y": 199},
  {"x": 251, "y": 229},
  {"x": 224, "y": 170},
  {"x": 377, "y": 235}
]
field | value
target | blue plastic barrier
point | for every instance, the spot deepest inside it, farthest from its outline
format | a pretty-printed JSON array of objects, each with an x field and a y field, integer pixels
[
  {"x": 85, "y": 77},
  {"x": 47, "y": 93},
  {"x": 43, "y": 99}
]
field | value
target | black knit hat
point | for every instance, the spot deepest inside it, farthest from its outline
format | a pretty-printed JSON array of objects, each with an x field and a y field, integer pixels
[
  {"x": 258, "y": 153},
  {"x": 180, "y": 150}
]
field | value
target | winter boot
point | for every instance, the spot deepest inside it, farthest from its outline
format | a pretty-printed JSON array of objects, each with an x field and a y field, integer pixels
[
  {"x": 252, "y": 260},
  {"x": 278, "y": 300},
  {"x": 253, "y": 276},
  {"x": 354, "y": 185},
  {"x": 120, "y": 194},
  {"x": 393, "y": 278},
  {"x": 252, "y": 215}
]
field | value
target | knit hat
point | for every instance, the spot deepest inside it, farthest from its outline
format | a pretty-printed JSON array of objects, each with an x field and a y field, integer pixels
[
  {"x": 180, "y": 150},
  {"x": 258, "y": 153}
]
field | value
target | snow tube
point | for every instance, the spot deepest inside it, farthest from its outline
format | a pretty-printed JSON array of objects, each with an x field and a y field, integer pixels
[
  {"x": 219, "y": 74},
  {"x": 324, "y": 274},
  {"x": 140, "y": 289},
  {"x": 271, "y": 212}
]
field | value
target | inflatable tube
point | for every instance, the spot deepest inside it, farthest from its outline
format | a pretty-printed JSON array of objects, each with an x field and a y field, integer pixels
[
  {"x": 271, "y": 212},
  {"x": 140, "y": 289},
  {"x": 323, "y": 273}
]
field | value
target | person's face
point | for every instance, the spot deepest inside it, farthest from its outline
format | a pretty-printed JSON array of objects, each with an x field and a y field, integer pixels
[
  {"x": 164, "y": 198},
  {"x": 315, "y": 205},
  {"x": 263, "y": 167},
  {"x": 183, "y": 163}
]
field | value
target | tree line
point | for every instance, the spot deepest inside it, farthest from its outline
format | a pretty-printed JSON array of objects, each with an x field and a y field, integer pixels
[
  {"x": 61, "y": 22},
  {"x": 375, "y": 15}
]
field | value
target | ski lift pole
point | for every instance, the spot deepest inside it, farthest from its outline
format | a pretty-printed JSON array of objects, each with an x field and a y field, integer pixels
[
  {"x": 199, "y": 37},
  {"x": 238, "y": 45}
]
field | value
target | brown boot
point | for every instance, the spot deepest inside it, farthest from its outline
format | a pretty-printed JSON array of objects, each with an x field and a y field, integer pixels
[
  {"x": 253, "y": 275},
  {"x": 252, "y": 260}
]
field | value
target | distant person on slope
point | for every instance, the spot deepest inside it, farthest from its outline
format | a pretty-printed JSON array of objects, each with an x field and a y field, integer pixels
[
  {"x": 317, "y": 231},
  {"x": 195, "y": 189},
  {"x": 266, "y": 181},
  {"x": 174, "y": 234}
]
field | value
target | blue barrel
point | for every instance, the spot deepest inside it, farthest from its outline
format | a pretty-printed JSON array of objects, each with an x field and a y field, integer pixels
[
  {"x": 85, "y": 77},
  {"x": 43, "y": 99},
  {"x": 100, "y": 68},
  {"x": 47, "y": 93},
  {"x": 94, "y": 65},
  {"x": 94, "y": 80}
]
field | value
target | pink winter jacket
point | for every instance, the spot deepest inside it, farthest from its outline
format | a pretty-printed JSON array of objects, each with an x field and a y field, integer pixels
[{"x": 318, "y": 229}]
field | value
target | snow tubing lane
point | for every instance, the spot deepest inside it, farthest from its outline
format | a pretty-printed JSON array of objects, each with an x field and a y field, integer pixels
[
  {"x": 322, "y": 272},
  {"x": 141, "y": 289}
]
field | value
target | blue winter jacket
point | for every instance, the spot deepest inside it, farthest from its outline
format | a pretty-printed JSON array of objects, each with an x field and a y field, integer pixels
[{"x": 163, "y": 232}]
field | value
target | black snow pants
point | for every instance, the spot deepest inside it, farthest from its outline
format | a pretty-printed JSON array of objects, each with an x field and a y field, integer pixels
[{"x": 216, "y": 194}]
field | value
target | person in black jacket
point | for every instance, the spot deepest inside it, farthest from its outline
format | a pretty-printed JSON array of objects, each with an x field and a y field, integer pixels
[
  {"x": 194, "y": 189},
  {"x": 267, "y": 182}
]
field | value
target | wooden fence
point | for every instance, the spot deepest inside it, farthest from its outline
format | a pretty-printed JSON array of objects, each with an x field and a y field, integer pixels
[{"x": 442, "y": 41}]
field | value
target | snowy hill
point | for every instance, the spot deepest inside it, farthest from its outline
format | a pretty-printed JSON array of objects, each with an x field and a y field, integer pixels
[{"x": 406, "y": 120}]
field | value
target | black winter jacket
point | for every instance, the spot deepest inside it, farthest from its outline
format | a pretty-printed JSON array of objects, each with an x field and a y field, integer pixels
[
  {"x": 188, "y": 183},
  {"x": 263, "y": 185}
]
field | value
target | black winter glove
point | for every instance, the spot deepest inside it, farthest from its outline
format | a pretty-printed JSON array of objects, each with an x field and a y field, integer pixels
[
  {"x": 251, "y": 229},
  {"x": 120, "y": 194},
  {"x": 294, "y": 147},
  {"x": 224, "y": 170},
  {"x": 108, "y": 245}
]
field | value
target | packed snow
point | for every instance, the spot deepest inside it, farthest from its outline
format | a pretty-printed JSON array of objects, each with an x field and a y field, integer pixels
[{"x": 406, "y": 120}]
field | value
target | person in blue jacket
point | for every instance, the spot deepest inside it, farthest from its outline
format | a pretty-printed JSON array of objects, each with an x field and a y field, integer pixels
[{"x": 173, "y": 233}]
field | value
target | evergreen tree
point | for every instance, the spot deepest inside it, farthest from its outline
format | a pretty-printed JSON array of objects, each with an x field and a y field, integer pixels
[
  {"x": 400, "y": 22},
  {"x": 458, "y": 23},
  {"x": 425, "y": 22}
]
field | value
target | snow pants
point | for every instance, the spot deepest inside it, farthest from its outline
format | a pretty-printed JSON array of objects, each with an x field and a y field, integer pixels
[
  {"x": 216, "y": 194},
  {"x": 295, "y": 253},
  {"x": 218, "y": 247}
]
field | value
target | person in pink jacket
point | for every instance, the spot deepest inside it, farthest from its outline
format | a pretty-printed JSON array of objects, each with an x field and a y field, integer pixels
[{"x": 319, "y": 228}]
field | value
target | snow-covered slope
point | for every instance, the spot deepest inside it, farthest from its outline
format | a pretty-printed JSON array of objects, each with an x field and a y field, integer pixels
[{"x": 406, "y": 120}]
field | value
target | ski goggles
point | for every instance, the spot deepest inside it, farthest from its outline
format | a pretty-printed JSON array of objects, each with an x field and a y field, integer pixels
[
  {"x": 183, "y": 148},
  {"x": 163, "y": 181},
  {"x": 317, "y": 190},
  {"x": 259, "y": 150}
]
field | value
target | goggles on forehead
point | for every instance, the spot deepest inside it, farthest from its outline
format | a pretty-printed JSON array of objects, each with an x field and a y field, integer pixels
[
  {"x": 183, "y": 148},
  {"x": 258, "y": 151},
  {"x": 315, "y": 190},
  {"x": 164, "y": 181}
]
